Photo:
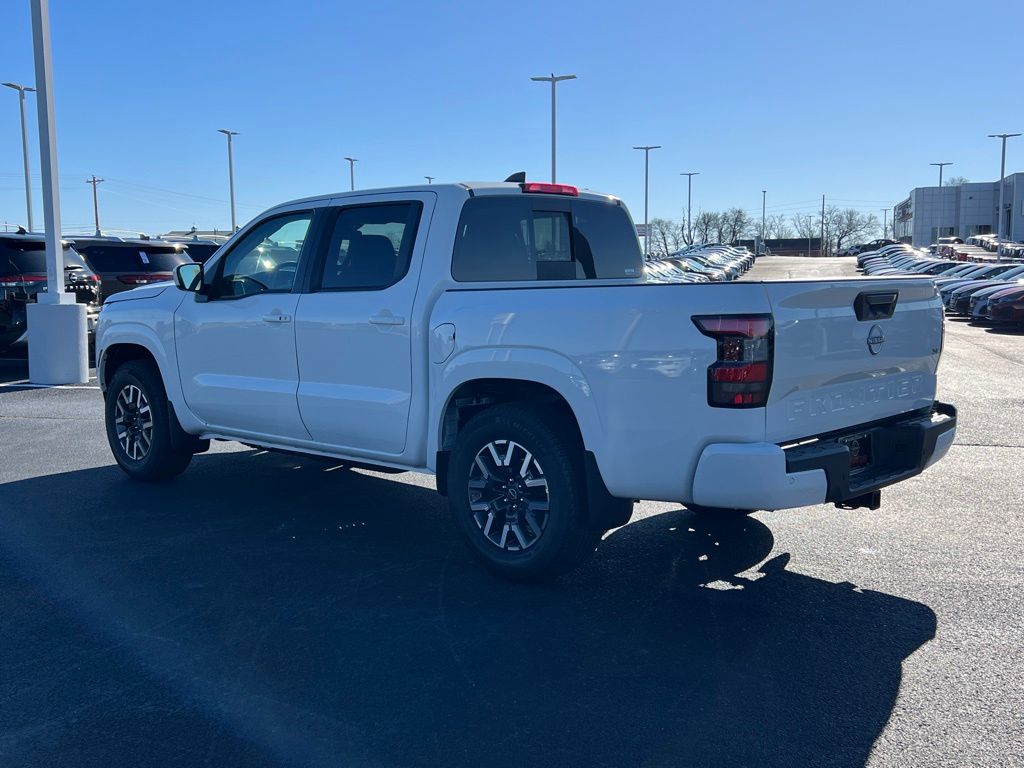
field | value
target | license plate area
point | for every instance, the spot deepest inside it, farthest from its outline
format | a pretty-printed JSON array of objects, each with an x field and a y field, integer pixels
[{"x": 859, "y": 446}]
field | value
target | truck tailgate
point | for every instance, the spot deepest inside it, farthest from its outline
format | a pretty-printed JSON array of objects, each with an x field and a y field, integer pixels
[{"x": 842, "y": 358}]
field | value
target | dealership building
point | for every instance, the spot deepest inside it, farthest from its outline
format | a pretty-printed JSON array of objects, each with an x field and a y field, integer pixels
[{"x": 962, "y": 210}]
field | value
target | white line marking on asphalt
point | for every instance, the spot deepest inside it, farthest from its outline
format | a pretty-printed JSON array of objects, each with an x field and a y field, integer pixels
[{"x": 26, "y": 383}]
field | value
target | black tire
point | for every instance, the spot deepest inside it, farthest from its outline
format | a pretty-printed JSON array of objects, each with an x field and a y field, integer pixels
[
  {"x": 161, "y": 459},
  {"x": 566, "y": 538}
]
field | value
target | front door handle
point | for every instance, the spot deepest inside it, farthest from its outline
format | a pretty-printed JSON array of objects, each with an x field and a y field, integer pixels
[
  {"x": 386, "y": 318},
  {"x": 277, "y": 317}
]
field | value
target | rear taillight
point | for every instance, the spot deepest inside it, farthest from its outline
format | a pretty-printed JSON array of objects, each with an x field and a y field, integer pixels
[
  {"x": 742, "y": 372},
  {"x": 143, "y": 279}
]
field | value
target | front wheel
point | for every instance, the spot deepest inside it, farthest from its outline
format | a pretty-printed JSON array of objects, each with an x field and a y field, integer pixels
[
  {"x": 517, "y": 493},
  {"x": 138, "y": 427}
]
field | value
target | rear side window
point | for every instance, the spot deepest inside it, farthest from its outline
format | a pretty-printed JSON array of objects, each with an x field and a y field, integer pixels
[
  {"x": 370, "y": 246},
  {"x": 132, "y": 258},
  {"x": 23, "y": 257},
  {"x": 516, "y": 238}
]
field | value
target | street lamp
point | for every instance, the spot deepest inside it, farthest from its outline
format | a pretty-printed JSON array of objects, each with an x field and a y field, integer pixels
[
  {"x": 1002, "y": 175},
  {"x": 764, "y": 199},
  {"x": 689, "y": 200},
  {"x": 231, "y": 175},
  {"x": 885, "y": 222},
  {"x": 942, "y": 207},
  {"x": 352, "y": 173},
  {"x": 430, "y": 179},
  {"x": 554, "y": 80},
  {"x": 24, "y": 147},
  {"x": 647, "y": 155}
]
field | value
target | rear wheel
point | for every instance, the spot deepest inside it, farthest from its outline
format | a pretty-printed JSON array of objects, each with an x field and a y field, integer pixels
[
  {"x": 517, "y": 493},
  {"x": 138, "y": 425}
]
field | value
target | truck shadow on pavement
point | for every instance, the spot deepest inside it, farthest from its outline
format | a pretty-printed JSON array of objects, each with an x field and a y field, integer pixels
[{"x": 260, "y": 610}]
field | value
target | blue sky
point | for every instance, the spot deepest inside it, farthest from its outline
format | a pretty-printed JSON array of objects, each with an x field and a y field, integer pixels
[{"x": 848, "y": 99}]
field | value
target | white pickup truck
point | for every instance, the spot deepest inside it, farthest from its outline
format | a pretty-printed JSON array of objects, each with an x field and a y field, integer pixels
[{"x": 501, "y": 336}]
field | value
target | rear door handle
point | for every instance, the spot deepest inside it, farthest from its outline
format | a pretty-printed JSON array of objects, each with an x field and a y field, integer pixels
[
  {"x": 277, "y": 318},
  {"x": 387, "y": 319}
]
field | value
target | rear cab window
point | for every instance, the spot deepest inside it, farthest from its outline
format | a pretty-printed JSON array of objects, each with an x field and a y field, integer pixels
[{"x": 505, "y": 238}]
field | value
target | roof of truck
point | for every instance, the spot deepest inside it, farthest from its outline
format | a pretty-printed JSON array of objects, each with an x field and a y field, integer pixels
[{"x": 472, "y": 188}]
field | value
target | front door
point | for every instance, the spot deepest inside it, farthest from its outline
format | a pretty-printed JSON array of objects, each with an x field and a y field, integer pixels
[
  {"x": 353, "y": 328},
  {"x": 236, "y": 343}
]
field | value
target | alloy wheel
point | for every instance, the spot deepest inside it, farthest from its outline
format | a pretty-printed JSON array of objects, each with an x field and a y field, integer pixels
[
  {"x": 508, "y": 495},
  {"x": 133, "y": 422}
]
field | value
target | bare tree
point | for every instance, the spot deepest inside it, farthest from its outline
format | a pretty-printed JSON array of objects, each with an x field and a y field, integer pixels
[
  {"x": 737, "y": 224},
  {"x": 777, "y": 227},
  {"x": 806, "y": 225},
  {"x": 721, "y": 227},
  {"x": 666, "y": 237},
  {"x": 956, "y": 181},
  {"x": 846, "y": 225},
  {"x": 704, "y": 225}
]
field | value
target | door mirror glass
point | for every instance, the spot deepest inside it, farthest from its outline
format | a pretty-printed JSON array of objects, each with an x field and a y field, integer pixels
[{"x": 189, "y": 277}]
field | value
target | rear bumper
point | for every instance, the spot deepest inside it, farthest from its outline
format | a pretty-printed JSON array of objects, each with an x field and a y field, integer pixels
[{"x": 769, "y": 476}]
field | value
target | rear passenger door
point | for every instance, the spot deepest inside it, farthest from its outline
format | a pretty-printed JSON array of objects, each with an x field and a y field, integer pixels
[{"x": 354, "y": 324}]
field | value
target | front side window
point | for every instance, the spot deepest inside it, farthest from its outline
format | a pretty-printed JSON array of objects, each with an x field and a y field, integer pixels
[
  {"x": 514, "y": 238},
  {"x": 266, "y": 259},
  {"x": 370, "y": 246}
]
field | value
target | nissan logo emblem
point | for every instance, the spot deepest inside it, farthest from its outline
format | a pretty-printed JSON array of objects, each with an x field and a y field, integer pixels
[{"x": 875, "y": 339}]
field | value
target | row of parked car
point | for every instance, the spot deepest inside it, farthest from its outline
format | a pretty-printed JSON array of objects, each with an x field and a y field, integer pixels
[
  {"x": 701, "y": 263},
  {"x": 94, "y": 268},
  {"x": 985, "y": 292}
]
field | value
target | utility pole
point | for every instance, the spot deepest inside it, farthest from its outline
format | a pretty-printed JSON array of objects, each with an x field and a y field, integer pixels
[
  {"x": 430, "y": 179},
  {"x": 21, "y": 89},
  {"x": 885, "y": 223},
  {"x": 231, "y": 176},
  {"x": 821, "y": 244},
  {"x": 554, "y": 80},
  {"x": 689, "y": 200},
  {"x": 95, "y": 202},
  {"x": 1002, "y": 176},
  {"x": 352, "y": 173},
  {"x": 647, "y": 155}
]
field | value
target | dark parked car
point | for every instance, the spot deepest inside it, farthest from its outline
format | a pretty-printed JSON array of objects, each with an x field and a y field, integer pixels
[
  {"x": 201, "y": 250},
  {"x": 23, "y": 278},
  {"x": 123, "y": 264}
]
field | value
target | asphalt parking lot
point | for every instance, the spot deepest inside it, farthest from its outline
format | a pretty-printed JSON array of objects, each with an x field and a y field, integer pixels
[{"x": 274, "y": 610}]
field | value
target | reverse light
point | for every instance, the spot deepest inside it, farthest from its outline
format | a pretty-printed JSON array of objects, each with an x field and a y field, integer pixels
[
  {"x": 741, "y": 375},
  {"x": 544, "y": 188}
]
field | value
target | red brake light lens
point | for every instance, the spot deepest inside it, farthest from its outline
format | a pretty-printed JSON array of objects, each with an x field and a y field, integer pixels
[
  {"x": 543, "y": 188},
  {"x": 741, "y": 375}
]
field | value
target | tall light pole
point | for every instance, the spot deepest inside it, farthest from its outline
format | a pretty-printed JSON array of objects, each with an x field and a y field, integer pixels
[
  {"x": 58, "y": 350},
  {"x": 231, "y": 176},
  {"x": 942, "y": 208},
  {"x": 21, "y": 89},
  {"x": 647, "y": 155},
  {"x": 764, "y": 199},
  {"x": 430, "y": 179},
  {"x": 689, "y": 201},
  {"x": 1002, "y": 176},
  {"x": 352, "y": 173},
  {"x": 885, "y": 222},
  {"x": 95, "y": 202},
  {"x": 554, "y": 80}
]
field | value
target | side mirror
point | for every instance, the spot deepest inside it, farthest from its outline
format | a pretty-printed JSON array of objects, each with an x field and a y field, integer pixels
[{"x": 189, "y": 277}]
